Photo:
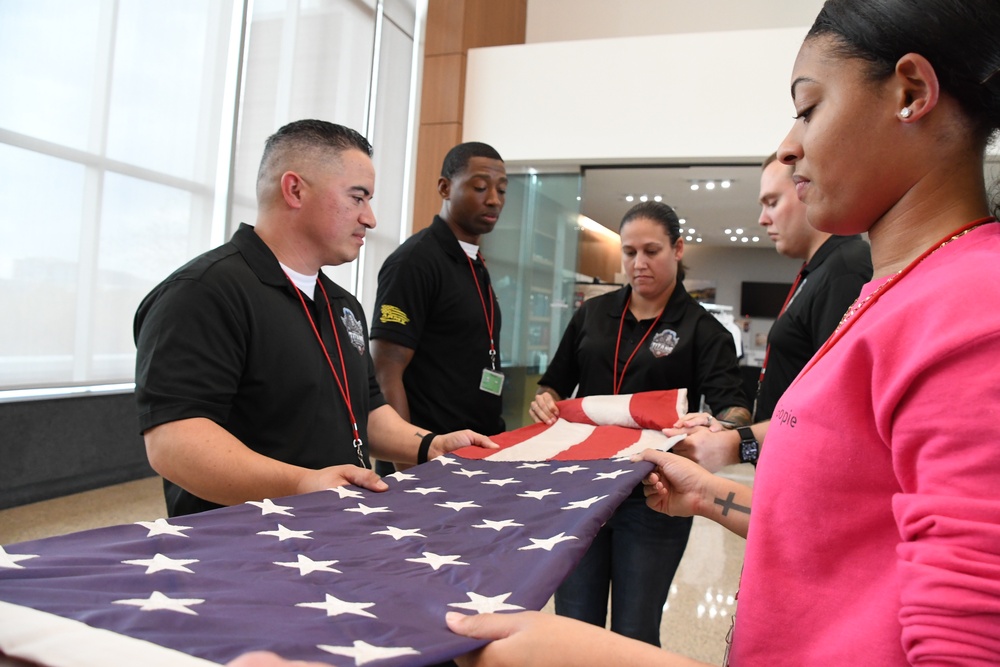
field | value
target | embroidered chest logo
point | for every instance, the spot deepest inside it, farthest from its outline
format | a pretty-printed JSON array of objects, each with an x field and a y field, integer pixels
[
  {"x": 354, "y": 330},
  {"x": 393, "y": 314},
  {"x": 664, "y": 343}
]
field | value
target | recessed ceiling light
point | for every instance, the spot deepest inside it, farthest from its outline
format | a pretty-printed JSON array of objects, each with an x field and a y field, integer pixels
[
  {"x": 732, "y": 238},
  {"x": 739, "y": 230},
  {"x": 699, "y": 239},
  {"x": 726, "y": 183},
  {"x": 756, "y": 238},
  {"x": 629, "y": 198},
  {"x": 691, "y": 231},
  {"x": 682, "y": 221},
  {"x": 728, "y": 231},
  {"x": 657, "y": 198},
  {"x": 689, "y": 238},
  {"x": 744, "y": 239},
  {"x": 710, "y": 185},
  {"x": 643, "y": 198},
  {"x": 695, "y": 186}
]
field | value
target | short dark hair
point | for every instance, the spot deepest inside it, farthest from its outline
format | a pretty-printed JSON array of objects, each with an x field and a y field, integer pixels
[
  {"x": 960, "y": 38},
  {"x": 302, "y": 136},
  {"x": 661, "y": 214},
  {"x": 458, "y": 157}
]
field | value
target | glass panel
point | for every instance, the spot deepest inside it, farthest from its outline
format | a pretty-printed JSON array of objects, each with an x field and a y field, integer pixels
[
  {"x": 115, "y": 84},
  {"x": 308, "y": 63},
  {"x": 145, "y": 232},
  {"x": 137, "y": 87},
  {"x": 390, "y": 142},
  {"x": 333, "y": 61},
  {"x": 532, "y": 260},
  {"x": 167, "y": 79},
  {"x": 48, "y": 68},
  {"x": 39, "y": 259}
]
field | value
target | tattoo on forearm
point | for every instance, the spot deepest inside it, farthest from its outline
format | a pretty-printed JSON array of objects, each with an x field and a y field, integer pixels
[
  {"x": 728, "y": 504},
  {"x": 738, "y": 416}
]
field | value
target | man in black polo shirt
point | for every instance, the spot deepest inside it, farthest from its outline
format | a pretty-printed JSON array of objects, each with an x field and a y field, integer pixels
[
  {"x": 253, "y": 375},
  {"x": 436, "y": 329},
  {"x": 833, "y": 271}
]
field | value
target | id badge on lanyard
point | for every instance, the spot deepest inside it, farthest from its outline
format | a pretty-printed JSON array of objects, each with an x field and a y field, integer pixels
[{"x": 491, "y": 382}]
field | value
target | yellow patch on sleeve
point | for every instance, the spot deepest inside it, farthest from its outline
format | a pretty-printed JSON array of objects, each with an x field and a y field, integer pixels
[{"x": 393, "y": 314}]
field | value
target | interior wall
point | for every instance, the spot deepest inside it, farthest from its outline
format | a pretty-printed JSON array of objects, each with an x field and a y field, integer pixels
[
  {"x": 686, "y": 98},
  {"x": 564, "y": 20},
  {"x": 728, "y": 267},
  {"x": 51, "y": 448}
]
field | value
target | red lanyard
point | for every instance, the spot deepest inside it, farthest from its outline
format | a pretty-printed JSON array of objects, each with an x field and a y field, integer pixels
[
  {"x": 490, "y": 318},
  {"x": 784, "y": 306},
  {"x": 616, "y": 382},
  {"x": 342, "y": 385}
]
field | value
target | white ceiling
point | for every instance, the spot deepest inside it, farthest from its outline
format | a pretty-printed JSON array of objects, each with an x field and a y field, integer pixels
[{"x": 708, "y": 212}]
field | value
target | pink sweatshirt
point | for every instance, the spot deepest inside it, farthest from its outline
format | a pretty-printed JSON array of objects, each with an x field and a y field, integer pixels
[{"x": 875, "y": 537}]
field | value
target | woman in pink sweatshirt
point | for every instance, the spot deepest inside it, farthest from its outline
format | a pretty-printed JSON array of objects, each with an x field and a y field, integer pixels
[{"x": 876, "y": 530}]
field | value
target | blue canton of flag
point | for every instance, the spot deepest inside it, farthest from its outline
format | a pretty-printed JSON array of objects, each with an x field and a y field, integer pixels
[{"x": 345, "y": 576}]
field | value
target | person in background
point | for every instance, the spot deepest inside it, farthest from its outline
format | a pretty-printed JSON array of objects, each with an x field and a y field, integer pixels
[
  {"x": 875, "y": 535},
  {"x": 436, "y": 334},
  {"x": 649, "y": 335},
  {"x": 253, "y": 376},
  {"x": 834, "y": 268}
]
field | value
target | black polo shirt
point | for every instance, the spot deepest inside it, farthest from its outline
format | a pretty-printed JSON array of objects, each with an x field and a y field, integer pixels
[
  {"x": 427, "y": 301},
  {"x": 225, "y": 337},
  {"x": 688, "y": 348},
  {"x": 830, "y": 283}
]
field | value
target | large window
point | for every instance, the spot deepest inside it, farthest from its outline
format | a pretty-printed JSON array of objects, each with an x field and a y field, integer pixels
[
  {"x": 119, "y": 157},
  {"x": 109, "y": 137}
]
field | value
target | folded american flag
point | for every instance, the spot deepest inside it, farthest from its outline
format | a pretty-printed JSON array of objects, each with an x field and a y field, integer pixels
[{"x": 344, "y": 576}]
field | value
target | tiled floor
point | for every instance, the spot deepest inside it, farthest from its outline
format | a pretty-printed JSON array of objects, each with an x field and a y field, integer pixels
[{"x": 696, "y": 619}]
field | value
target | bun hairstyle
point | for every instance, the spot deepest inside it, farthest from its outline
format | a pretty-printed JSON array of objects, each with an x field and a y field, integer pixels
[
  {"x": 960, "y": 38},
  {"x": 662, "y": 215}
]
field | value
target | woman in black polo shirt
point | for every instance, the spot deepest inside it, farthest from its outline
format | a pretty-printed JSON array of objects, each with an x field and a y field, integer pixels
[{"x": 649, "y": 335}]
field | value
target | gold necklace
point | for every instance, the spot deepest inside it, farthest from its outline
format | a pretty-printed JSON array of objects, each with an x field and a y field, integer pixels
[{"x": 860, "y": 303}]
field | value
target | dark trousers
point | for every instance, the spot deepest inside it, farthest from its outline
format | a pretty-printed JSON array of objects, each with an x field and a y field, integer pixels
[{"x": 635, "y": 554}]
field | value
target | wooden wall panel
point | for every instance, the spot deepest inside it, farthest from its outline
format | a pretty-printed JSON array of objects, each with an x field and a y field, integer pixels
[
  {"x": 453, "y": 27},
  {"x": 433, "y": 144},
  {"x": 495, "y": 22},
  {"x": 443, "y": 89},
  {"x": 599, "y": 256},
  {"x": 445, "y": 34}
]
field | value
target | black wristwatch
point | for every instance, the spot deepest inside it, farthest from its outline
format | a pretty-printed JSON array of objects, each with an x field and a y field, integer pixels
[{"x": 749, "y": 447}]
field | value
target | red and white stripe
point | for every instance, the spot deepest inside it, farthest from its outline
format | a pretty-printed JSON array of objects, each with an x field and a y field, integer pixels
[{"x": 595, "y": 427}]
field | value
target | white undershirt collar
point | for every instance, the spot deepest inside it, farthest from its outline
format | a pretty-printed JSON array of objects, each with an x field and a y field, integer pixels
[
  {"x": 305, "y": 283},
  {"x": 471, "y": 250}
]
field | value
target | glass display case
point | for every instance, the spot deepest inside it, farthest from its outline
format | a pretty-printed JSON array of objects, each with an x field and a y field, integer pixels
[{"x": 532, "y": 257}]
